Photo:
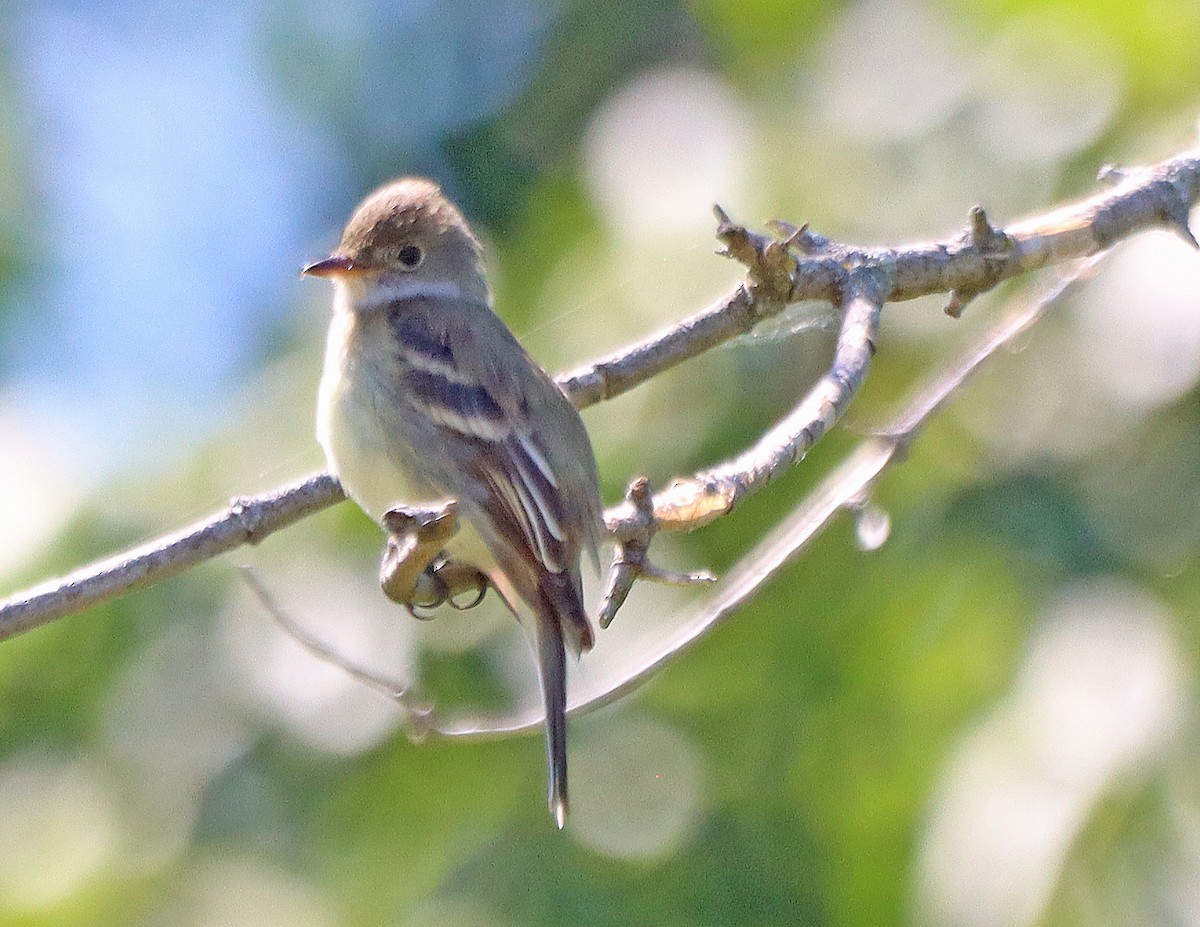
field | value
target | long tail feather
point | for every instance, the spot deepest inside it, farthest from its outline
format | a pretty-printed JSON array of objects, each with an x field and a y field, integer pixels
[{"x": 552, "y": 659}]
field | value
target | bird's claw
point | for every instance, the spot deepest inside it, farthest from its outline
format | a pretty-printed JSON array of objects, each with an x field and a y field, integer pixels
[{"x": 415, "y": 571}]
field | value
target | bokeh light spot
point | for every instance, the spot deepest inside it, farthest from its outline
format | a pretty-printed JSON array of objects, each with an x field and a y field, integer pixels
[{"x": 636, "y": 787}]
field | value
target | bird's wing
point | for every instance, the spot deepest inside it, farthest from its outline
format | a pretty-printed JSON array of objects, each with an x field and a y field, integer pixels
[
  {"x": 463, "y": 372},
  {"x": 467, "y": 385}
]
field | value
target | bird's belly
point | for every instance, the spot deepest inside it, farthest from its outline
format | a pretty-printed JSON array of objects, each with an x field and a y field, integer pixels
[{"x": 360, "y": 447}]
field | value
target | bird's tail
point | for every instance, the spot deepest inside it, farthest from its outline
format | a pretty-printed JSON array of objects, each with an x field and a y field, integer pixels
[
  {"x": 552, "y": 664},
  {"x": 561, "y": 623}
]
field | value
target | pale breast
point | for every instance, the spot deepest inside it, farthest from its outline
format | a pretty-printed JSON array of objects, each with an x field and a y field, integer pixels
[{"x": 353, "y": 427}]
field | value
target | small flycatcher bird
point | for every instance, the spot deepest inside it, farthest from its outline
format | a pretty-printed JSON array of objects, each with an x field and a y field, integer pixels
[{"x": 426, "y": 395}]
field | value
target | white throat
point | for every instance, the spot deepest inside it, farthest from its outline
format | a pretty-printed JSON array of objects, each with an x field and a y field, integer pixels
[{"x": 358, "y": 298}]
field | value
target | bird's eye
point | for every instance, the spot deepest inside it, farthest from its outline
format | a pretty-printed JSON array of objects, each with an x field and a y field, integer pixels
[{"x": 410, "y": 256}]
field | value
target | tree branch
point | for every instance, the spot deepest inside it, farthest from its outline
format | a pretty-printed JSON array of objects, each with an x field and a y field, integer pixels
[
  {"x": 246, "y": 521},
  {"x": 691, "y": 502},
  {"x": 802, "y": 265},
  {"x": 846, "y": 487}
]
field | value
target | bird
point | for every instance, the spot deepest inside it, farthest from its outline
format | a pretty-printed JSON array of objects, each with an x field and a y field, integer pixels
[{"x": 426, "y": 395}]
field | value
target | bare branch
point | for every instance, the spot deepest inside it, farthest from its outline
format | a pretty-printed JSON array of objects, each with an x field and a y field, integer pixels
[
  {"x": 694, "y": 501},
  {"x": 845, "y": 488},
  {"x": 631, "y": 560},
  {"x": 804, "y": 265},
  {"x": 246, "y": 521},
  {"x": 1140, "y": 199}
]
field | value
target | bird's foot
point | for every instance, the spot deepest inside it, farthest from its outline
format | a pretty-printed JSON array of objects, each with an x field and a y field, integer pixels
[{"x": 415, "y": 571}]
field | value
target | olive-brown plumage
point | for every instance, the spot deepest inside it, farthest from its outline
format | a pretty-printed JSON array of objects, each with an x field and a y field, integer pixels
[{"x": 427, "y": 394}]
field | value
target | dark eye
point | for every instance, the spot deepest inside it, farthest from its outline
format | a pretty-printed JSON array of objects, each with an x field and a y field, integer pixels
[{"x": 410, "y": 256}]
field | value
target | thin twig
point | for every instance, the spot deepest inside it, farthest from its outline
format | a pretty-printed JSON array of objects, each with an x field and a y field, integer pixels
[{"x": 399, "y": 692}]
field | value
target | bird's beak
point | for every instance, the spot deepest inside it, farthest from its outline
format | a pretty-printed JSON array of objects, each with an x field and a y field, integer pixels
[{"x": 333, "y": 266}]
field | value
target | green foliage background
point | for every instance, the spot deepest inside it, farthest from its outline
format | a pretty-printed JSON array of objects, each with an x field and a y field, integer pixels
[{"x": 814, "y": 734}]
